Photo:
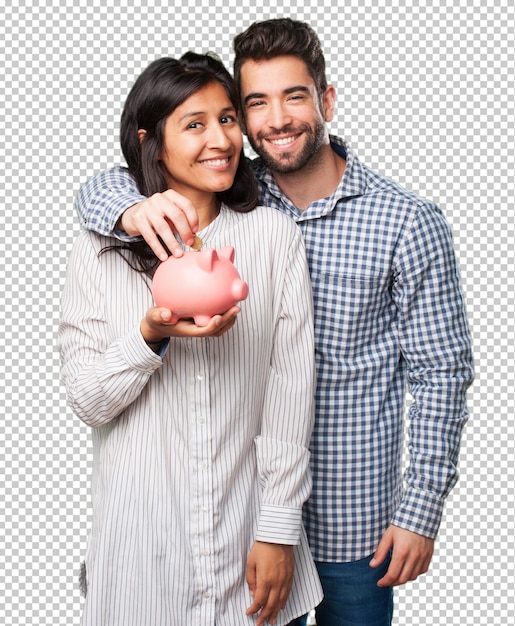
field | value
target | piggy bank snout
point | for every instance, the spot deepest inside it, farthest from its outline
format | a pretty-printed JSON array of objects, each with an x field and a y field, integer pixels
[{"x": 240, "y": 290}]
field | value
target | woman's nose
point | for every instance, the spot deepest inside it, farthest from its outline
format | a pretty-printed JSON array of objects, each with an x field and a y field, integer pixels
[{"x": 218, "y": 137}]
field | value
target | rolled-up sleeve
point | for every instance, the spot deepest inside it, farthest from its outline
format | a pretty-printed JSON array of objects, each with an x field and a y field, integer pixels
[
  {"x": 102, "y": 374},
  {"x": 103, "y": 199}
]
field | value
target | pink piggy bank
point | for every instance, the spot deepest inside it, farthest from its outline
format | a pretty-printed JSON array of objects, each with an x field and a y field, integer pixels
[{"x": 199, "y": 285}]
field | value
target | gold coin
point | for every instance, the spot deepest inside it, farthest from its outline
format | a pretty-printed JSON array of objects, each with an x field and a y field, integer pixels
[{"x": 197, "y": 243}]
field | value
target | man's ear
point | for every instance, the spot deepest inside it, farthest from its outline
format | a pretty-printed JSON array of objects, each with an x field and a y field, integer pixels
[
  {"x": 329, "y": 103},
  {"x": 142, "y": 133}
]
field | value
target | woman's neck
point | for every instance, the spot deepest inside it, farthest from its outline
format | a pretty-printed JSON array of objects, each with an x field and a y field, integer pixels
[{"x": 207, "y": 207}]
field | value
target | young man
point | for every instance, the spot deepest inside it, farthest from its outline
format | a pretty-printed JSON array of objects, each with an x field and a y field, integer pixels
[{"x": 389, "y": 311}]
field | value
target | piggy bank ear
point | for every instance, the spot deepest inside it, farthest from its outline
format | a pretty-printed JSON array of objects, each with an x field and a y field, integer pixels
[
  {"x": 206, "y": 258},
  {"x": 227, "y": 253}
]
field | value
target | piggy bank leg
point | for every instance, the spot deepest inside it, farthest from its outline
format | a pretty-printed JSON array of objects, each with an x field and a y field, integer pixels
[{"x": 202, "y": 320}]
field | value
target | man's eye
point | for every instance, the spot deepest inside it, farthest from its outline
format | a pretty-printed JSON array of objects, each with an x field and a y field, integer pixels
[{"x": 255, "y": 103}]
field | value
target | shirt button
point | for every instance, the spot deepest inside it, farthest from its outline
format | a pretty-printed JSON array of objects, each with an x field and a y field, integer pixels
[
  {"x": 200, "y": 376},
  {"x": 202, "y": 420},
  {"x": 205, "y": 553}
]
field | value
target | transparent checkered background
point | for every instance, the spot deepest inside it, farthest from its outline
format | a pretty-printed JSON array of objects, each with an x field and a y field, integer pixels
[{"x": 425, "y": 95}]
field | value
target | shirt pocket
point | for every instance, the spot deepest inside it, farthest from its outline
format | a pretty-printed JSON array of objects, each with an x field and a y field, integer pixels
[{"x": 351, "y": 310}]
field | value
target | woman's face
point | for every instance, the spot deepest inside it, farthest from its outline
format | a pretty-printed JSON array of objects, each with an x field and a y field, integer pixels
[{"x": 202, "y": 143}]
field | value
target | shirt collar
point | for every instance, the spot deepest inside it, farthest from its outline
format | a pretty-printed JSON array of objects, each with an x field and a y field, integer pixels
[{"x": 353, "y": 183}]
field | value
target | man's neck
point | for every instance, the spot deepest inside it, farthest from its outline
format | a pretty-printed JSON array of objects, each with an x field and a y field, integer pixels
[{"x": 316, "y": 180}]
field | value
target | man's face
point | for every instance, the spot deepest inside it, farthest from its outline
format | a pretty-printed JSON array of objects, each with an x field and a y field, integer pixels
[{"x": 284, "y": 118}]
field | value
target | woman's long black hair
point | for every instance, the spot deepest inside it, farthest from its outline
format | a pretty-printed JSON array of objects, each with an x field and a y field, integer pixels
[{"x": 163, "y": 86}]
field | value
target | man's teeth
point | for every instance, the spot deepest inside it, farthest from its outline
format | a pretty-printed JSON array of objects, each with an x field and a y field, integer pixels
[{"x": 282, "y": 142}]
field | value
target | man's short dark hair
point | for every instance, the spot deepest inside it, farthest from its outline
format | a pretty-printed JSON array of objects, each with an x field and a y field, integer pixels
[{"x": 279, "y": 37}]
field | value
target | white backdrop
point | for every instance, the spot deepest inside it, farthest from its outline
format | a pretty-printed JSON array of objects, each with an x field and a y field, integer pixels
[{"x": 425, "y": 95}]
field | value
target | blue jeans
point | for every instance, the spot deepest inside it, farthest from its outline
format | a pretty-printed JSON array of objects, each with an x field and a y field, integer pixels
[{"x": 351, "y": 595}]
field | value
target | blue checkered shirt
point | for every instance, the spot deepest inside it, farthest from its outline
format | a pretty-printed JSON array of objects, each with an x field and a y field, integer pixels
[{"x": 389, "y": 314}]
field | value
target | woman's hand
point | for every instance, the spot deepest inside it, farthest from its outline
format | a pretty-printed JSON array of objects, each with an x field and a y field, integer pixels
[
  {"x": 270, "y": 570},
  {"x": 156, "y": 325},
  {"x": 162, "y": 214}
]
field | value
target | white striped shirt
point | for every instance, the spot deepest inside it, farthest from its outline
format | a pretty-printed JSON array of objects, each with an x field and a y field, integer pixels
[{"x": 202, "y": 451}]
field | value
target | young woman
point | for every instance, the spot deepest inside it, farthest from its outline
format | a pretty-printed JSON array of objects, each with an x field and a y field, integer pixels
[{"x": 199, "y": 435}]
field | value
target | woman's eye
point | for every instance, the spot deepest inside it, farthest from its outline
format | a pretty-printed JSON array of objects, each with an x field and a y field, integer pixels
[
  {"x": 227, "y": 119},
  {"x": 194, "y": 125}
]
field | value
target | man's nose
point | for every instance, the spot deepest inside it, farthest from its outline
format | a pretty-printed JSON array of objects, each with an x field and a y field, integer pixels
[{"x": 279, "y": 116}]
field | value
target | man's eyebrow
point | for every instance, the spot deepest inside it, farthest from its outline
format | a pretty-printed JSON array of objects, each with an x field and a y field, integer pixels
[
  {"x": 253, "y": 96},
  {"x": 295, "y": 88},
  {"x": 302, "y": 88}
]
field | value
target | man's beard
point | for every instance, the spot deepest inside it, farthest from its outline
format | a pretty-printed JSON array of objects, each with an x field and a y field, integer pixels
[{"x": 287, "y": 163}]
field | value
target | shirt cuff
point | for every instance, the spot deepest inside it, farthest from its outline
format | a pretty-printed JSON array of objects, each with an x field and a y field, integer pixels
[
  {"x": 162, "y": 346},
  {"x": 138, "y": 355},
  {"x": 420, "y": 512},
  {"x": 279, "y": 525}
]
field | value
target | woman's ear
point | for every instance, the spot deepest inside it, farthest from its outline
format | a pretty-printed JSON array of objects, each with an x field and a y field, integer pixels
[{"x": 142, "y": 133}]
